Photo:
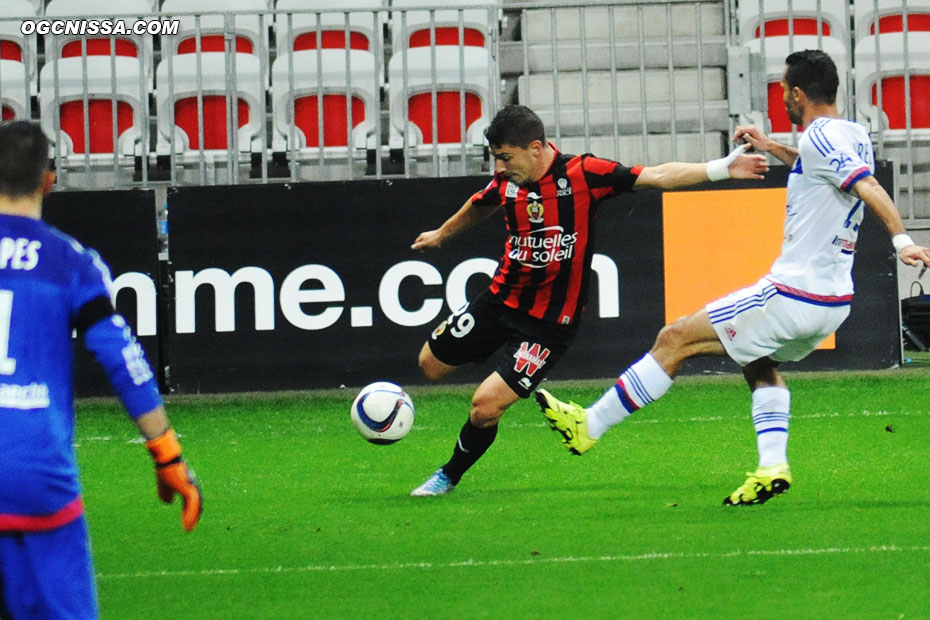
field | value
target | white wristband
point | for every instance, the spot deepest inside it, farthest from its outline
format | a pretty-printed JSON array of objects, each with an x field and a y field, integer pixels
[
  {"x": 901, "y": 240},
  {"x": 719, "y": 169}
]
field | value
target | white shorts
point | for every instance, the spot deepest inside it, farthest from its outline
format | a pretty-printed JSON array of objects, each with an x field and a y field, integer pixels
[{"x": 775, "y": 321}]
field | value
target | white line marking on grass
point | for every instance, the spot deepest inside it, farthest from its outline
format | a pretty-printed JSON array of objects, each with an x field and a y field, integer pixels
[{"x": 537, "y": 560}]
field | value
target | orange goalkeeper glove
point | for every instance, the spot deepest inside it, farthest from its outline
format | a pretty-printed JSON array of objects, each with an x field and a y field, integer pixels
[{"x": 175, "y": 477}]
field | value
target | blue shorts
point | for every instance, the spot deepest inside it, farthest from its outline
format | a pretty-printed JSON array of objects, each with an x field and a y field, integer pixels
[{"x": 48, "y": 575}]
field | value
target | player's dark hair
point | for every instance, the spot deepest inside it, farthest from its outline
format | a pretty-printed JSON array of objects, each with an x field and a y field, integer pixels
[
  {"x": 23, "y": 158},
  {"x": 516, "y": 125},
  {"x": 814, "y": 72}
]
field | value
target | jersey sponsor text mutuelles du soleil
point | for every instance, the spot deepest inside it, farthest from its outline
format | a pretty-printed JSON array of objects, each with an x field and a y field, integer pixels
[
  {"x": 823, "y": 216},
  {"x": 51, "y": 286},
  {"x": 545, "y": 270}
]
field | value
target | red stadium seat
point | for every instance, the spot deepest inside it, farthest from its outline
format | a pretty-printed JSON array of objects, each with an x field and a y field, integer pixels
[
  {"x": 332, "y": 39},
  {"x": 784, "y": 17},
  {"x": 893, "y": 101},
  {"x": 900, "y": 72},
  {"x": 11, "y": 50},
  {"x": 363, "y": 19},
  {"x": 186, "y": 118},
  {"x": 445, "y": 62},
  {"x": 99, "y": 88},
  {"x": 447, "y": 35},
  {"x": 335, "y": 119},
  {"x": 780, "y": 27},
  {"x": 448, "y": 106},
  {"x": 213, "y": 43},
  {"x": 182, "y": 77},
  {"x": 100, "y": 121},
  {"x": 916, "y": 22},
  {"x": 341, "y": 69},
  {"x": 101, "y": 47}
]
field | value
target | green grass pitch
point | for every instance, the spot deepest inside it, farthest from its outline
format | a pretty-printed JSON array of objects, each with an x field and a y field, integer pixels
[{"x": 304, "y": 519}]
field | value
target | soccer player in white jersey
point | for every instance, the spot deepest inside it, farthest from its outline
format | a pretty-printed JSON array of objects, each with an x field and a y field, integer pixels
[{"x": 784, "y": 316}]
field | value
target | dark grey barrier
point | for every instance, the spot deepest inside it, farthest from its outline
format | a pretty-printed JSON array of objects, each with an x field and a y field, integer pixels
[
  {"x": 314, "y": 285},
  {"x": 121, "y": 226}
]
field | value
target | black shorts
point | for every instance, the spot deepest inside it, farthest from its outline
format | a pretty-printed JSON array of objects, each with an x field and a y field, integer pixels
[{"x": 526, "y": 347}]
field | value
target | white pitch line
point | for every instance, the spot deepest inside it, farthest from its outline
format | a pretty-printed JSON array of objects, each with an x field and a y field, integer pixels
[
  {"x": 636, "y": 420},
  {"x": 536, "y": 560}
]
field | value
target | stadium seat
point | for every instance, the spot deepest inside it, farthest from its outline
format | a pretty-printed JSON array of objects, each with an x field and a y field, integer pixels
[
  {"x": 894, "y": 76},
  {"x": 783, "y": 17},
  {"x": 13, "y": 100},
  {"x": 178, "y": 107},
  {"x": 776, "y": 50},
  {"x": 62, "y": 94},
  {"x": 412, "y": 25},
  {"x": 14, "y": 45},
  {"x": 340, "y": 68},
  {"x": 299, "y": 31},
  {"x": 889, "y": 18},
  {"x": 251, "y": 31},
  {"x": 134, "y": 46},
  {"x": 412, "y": 90}
]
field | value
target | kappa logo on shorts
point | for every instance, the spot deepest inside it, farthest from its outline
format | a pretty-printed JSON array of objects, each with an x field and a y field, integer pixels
[{"x": 530, "y": 358}]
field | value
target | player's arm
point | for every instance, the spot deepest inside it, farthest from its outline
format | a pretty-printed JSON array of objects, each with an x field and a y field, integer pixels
[
  {"x": 110, "y": 340},
  {"x": 875, "y": 196},
  {"x": 466, "y": 217},
  {"x": 677, "y": 175},
  {"x": 750, "y": 134}
]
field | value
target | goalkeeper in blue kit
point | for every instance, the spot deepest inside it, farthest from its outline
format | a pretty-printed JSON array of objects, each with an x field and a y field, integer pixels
[{"x": 50, "y": 287}]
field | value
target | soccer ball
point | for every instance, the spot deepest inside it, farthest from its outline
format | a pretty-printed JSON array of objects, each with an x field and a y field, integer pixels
[{"x": 382, "y": 413}]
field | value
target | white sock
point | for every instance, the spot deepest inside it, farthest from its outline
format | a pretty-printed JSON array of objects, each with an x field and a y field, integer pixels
[
  {"x": 770, "y": 415},
  {"x": 641, "y": 383}
]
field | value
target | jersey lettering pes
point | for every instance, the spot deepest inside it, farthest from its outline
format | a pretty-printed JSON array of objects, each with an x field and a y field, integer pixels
[{"x": 545, "y": 270}]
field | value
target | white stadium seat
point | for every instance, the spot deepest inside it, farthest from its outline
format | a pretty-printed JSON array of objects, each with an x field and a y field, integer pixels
[
  {"x": 298, "y": 31},
  {"x": 411, "y": 25},
  {"x": 890, "y": 17},
  {"x": 412, "y": 90},
  {"x": 781, "y": 17},
  {"x": 898, "y": 75},
  {"x": 14, "y": 45},
  {"x": 134, "y": 46},
  {"x": 331, "y": 84},
  {"x": 251, "y": 30},
  {"x": 178, "y": 105},
  {"x": 13, "y": 100},
  {"x": 62, "y": 94}
]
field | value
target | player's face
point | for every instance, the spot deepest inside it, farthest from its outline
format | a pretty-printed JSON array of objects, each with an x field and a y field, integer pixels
[
  {"x": 516, "y": 164},
  {"x": 795, "y": 114}
]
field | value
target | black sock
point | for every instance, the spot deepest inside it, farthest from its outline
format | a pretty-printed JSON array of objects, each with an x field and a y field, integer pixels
[{"x": 473, "y": 442}]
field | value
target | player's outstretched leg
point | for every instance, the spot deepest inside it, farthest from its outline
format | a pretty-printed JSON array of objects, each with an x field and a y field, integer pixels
[
  {"x": 761, "y": 486},
  {"x": 568, "y": 419}
]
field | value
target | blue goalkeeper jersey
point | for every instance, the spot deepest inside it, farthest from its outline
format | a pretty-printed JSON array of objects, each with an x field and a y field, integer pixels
[{"x": 50, "y": 287}]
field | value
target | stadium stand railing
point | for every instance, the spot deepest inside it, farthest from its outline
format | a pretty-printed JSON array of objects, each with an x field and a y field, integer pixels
[{"x": 253, "y": 91}]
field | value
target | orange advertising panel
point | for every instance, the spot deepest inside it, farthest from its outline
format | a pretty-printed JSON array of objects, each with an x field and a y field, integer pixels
[{"x": 717, "y": 242}]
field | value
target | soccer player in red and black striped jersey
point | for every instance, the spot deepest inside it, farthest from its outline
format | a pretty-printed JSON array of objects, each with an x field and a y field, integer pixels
[{"x": 529, "y": 314}]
